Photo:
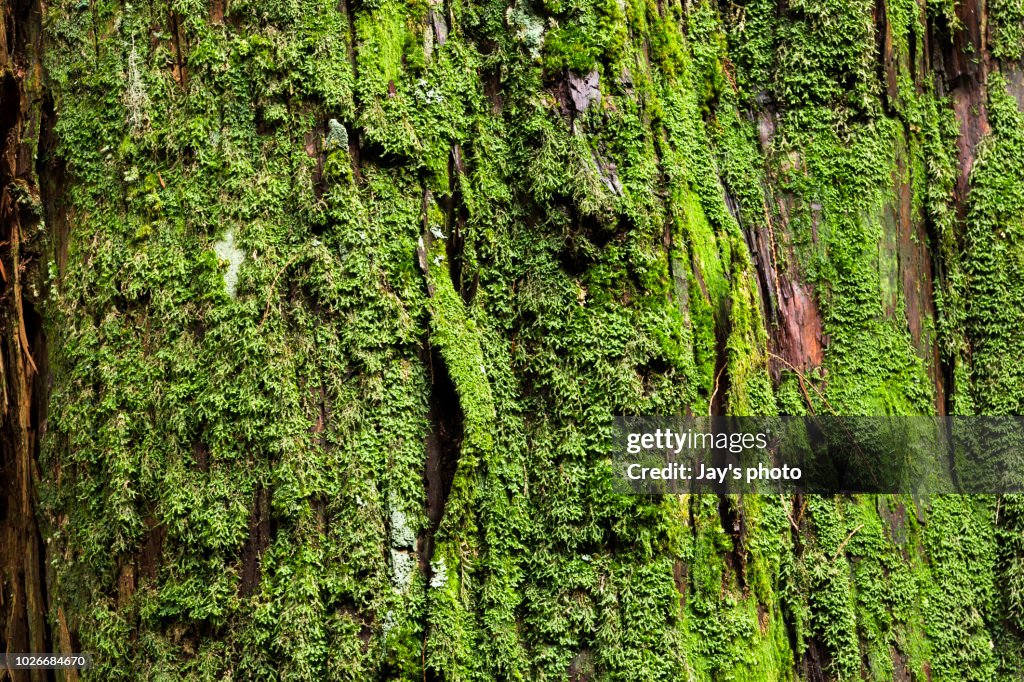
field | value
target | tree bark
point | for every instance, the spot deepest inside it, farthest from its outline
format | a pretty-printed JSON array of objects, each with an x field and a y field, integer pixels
[
  {"x": 23, "y": 605},
  {"x": 316, "y": 315}
]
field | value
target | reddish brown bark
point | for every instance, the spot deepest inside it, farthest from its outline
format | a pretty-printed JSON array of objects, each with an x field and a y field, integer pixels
[{"x": 23, "y": 626}]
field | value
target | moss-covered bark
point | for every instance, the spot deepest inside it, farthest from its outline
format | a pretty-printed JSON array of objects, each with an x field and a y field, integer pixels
[{"x": 339, "y": 300}]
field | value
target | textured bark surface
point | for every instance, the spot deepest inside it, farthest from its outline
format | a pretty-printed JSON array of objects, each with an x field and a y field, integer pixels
[
  {"x": 23, "y": 359},
  {"x": 315, "y": 316}
]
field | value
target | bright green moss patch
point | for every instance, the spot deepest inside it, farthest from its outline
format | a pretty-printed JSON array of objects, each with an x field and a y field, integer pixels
[{"x": 994, "y": 294}]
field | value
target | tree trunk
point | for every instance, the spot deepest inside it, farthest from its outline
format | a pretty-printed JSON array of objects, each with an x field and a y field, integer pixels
[
  {"x": 316, "y": 317},
  {"x": 23, "y": 359}
]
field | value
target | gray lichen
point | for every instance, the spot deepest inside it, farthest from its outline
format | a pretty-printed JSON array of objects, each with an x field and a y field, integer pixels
[
  {"x": 402, "y": 534},
  {"x": 528, "y": 26},
  {"x": 228, "y": 251},
  {"x": 403, "y": 565},
  {"x": 337, "y": 135}
]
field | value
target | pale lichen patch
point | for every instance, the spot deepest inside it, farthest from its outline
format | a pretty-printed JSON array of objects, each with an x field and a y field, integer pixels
[{"x": 228, "y": 251}]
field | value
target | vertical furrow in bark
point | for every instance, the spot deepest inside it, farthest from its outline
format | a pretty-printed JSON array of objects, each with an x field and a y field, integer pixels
[
  {"x": 965, "y": 70},
  {"x": 442, "y": 455}
]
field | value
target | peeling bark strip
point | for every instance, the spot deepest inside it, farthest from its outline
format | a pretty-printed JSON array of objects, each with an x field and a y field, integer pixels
[
  {"x": 914, "y": 263},
  {"x": 962, "y": 73},
  {"x": 792, "y": 314}
]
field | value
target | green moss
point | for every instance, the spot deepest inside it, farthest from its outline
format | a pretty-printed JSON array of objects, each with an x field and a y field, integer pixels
[
  {"x": 994, "y": 298},
  {"x": 569, "y": 47},
  {"x": 594, "y": 269},
  {"x": 1007, "y": 26}
]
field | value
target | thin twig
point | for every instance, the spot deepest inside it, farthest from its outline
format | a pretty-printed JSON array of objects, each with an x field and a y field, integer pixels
[
  {"x": 831, "y": 409},
  {"x": 800, "y": 377},
  {"x": 843, "y": 543},
  {"x": 711, "y": 400},
  {"x": 799, "y": 517},
  {"x": 19, "y": 306},
  {"x": 775, "y": 261},
  {"x": 793, "y": 523}
]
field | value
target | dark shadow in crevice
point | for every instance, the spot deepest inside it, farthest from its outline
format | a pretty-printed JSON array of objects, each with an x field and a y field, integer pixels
[{"x": 443, "y": 446}]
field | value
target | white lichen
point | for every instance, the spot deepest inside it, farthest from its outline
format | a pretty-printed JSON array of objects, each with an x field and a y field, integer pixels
[
  {"x": 402, "y": 534},
  {"x": 529, "y": 28},
  {"x": 227, "y": 251},
  {"x": 403, "y": 565},
  {"x": 136, "y": 101},
  {"x": 337, "y": 136}
]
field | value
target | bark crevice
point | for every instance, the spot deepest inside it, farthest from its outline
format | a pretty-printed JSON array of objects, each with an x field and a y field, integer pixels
[{"x": 443, "y": 446}]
